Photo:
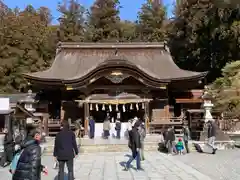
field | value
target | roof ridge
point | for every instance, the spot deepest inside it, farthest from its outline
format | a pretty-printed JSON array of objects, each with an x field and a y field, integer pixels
[{"x": 84, "y": 45}]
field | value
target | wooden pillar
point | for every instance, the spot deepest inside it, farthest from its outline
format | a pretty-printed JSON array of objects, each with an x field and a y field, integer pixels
[
  {"x": 147, "y": 118},
  {"x": 167, "y": 113},
  {"x": 41, "y": 124},
  {"x": 7, "y": 121},
  {"x": 8, "y": 124},
  {"x": 45, "y": 123},
  {"x": 86, "y": 118},
  {"x": 167, "y": 107},
  {"x": 62, "y": 113}
]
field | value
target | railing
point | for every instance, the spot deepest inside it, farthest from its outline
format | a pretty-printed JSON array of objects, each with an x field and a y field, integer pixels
[
  {"x": 167, "y": 121},
  {"x": 54, "y": 121},
  {"x": 229, "y": 125},
  {"x": 156, "y": 126}
]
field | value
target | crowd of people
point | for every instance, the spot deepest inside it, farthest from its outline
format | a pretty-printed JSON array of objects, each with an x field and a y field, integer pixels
[
  {"x": 181, "y": 146},
  {"x": 24, "y": 158},
  {"x": 29, "y": 166},
  {"x": 23, "y": 155}
]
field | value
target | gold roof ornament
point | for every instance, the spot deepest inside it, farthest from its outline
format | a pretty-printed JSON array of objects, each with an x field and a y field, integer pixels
[
  {"x": 116, "y": 73},
  {"x": 69, "y": 88}
]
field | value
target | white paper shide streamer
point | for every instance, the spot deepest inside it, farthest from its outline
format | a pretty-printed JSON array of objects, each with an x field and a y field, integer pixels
[
  {"x": 143, "y": 107},
  {"x": 91, "y": 108},
  {"x": 131, "y": 107},
  {"x": 137, "y": 107},
  {"x": 97, "y": 107},
  {"x": 103, "y": 107},
  {"x": 116, "y": 107},
  {"x": 110, "y": 108},
  {"x": 124, "y": 108}
]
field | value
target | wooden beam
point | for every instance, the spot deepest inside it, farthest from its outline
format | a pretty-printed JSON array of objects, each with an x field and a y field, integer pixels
[
  {"x": 189, "y": 100},
  {"x": 120, "y": 87}
]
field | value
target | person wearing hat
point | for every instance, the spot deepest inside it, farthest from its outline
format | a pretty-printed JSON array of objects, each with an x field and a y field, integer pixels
[
  {"x": 29, "y": 164},
  {"x": 179, "y": 146}
]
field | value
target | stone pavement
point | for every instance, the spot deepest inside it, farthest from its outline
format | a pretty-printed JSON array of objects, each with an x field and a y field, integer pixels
[
  {"x": 108, "y": 166},
  {"x": 224, "y": 165}
]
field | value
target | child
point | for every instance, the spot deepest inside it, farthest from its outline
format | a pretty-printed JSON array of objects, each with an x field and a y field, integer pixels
[{"x": 179, "y": 146}]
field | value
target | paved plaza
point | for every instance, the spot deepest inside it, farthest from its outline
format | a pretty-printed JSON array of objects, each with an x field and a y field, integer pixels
[
  {"x": 224, "y": 165},
  {"x": 108, "y": 166}
]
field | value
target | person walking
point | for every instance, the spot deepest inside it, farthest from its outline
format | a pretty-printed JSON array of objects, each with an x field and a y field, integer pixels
[
  {"x": 142, "y": 132},
  {"x": 211, "y": 125},
  {"x": 134, "y": 145},
  {"x": 29, "y": 165},
  {"x": 78, "y": 128},
  {"x": 106, "y": 128},
  {"x": 186, "y": 137},
  {"x": 8, "y": 148},
  {"x": 118, "y": 128},
  {"x": 65, "y": 150}
]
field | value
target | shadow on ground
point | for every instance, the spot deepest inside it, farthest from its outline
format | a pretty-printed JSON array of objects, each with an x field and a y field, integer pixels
[
  {"x": 128, "y": 155},
  {"x": 65, "y": 177}
]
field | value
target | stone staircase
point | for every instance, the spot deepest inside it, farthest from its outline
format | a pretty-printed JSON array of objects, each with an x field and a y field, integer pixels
[
  {"x": 96, "y": 145},
  {"x": 87, "y": 145}
]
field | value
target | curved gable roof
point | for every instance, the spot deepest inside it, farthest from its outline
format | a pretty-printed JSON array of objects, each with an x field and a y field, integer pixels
[{"x": 73, "y": 63}]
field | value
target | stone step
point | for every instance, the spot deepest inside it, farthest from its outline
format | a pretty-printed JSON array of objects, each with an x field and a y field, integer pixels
[
  {"x": 95, "y": 148},
  {"x": 99, "y": 144},
  {"x": 87, "y": 145}
]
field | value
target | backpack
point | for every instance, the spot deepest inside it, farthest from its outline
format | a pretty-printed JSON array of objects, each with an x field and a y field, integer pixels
[
  {"x": 14, "y": 163},
  {"x": 198, "y": 148}
]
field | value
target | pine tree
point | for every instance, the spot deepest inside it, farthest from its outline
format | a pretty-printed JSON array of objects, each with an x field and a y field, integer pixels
[
  {"x": 202, "y": 37},
  {"x": 128, "y": 31},
  {"x": 104, "y": 21},
  {"x": 71, "y": 21},
  {"x": 150, "y": 21}
]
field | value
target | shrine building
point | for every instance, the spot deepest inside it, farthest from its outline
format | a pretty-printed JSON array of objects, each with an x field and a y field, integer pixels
[{"x": 123, "y": 80}]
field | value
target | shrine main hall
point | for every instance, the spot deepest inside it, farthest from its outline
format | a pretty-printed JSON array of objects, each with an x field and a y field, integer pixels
[{"x": 122, "y": 80}]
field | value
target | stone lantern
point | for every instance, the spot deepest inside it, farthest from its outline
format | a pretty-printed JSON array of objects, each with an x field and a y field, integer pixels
[
  {"x": 207, "y": 105},
  {"x": 29, "y": 103}
]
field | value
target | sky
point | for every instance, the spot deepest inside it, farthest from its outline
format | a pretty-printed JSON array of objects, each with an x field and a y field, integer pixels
[{"x": 128, "y": 12}]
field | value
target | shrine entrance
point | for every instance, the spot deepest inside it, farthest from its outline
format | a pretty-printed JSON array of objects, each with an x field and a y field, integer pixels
[{"x": 123, "y": 107}]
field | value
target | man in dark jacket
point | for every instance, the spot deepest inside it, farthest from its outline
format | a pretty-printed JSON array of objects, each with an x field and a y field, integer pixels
[
  {"x": 118, "y": 128},
  {"x": 8, "y": 149},
  {"x": 29, "y": 164},
  {"x": 170, "y": 140},
  {"x": 135, "y": 145},
  {"x": 91, "y": 127},
  {"x": 211, "y": 125},
  {"x": 65, "y": 149},
  {"x": 186, "y": 137}
]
